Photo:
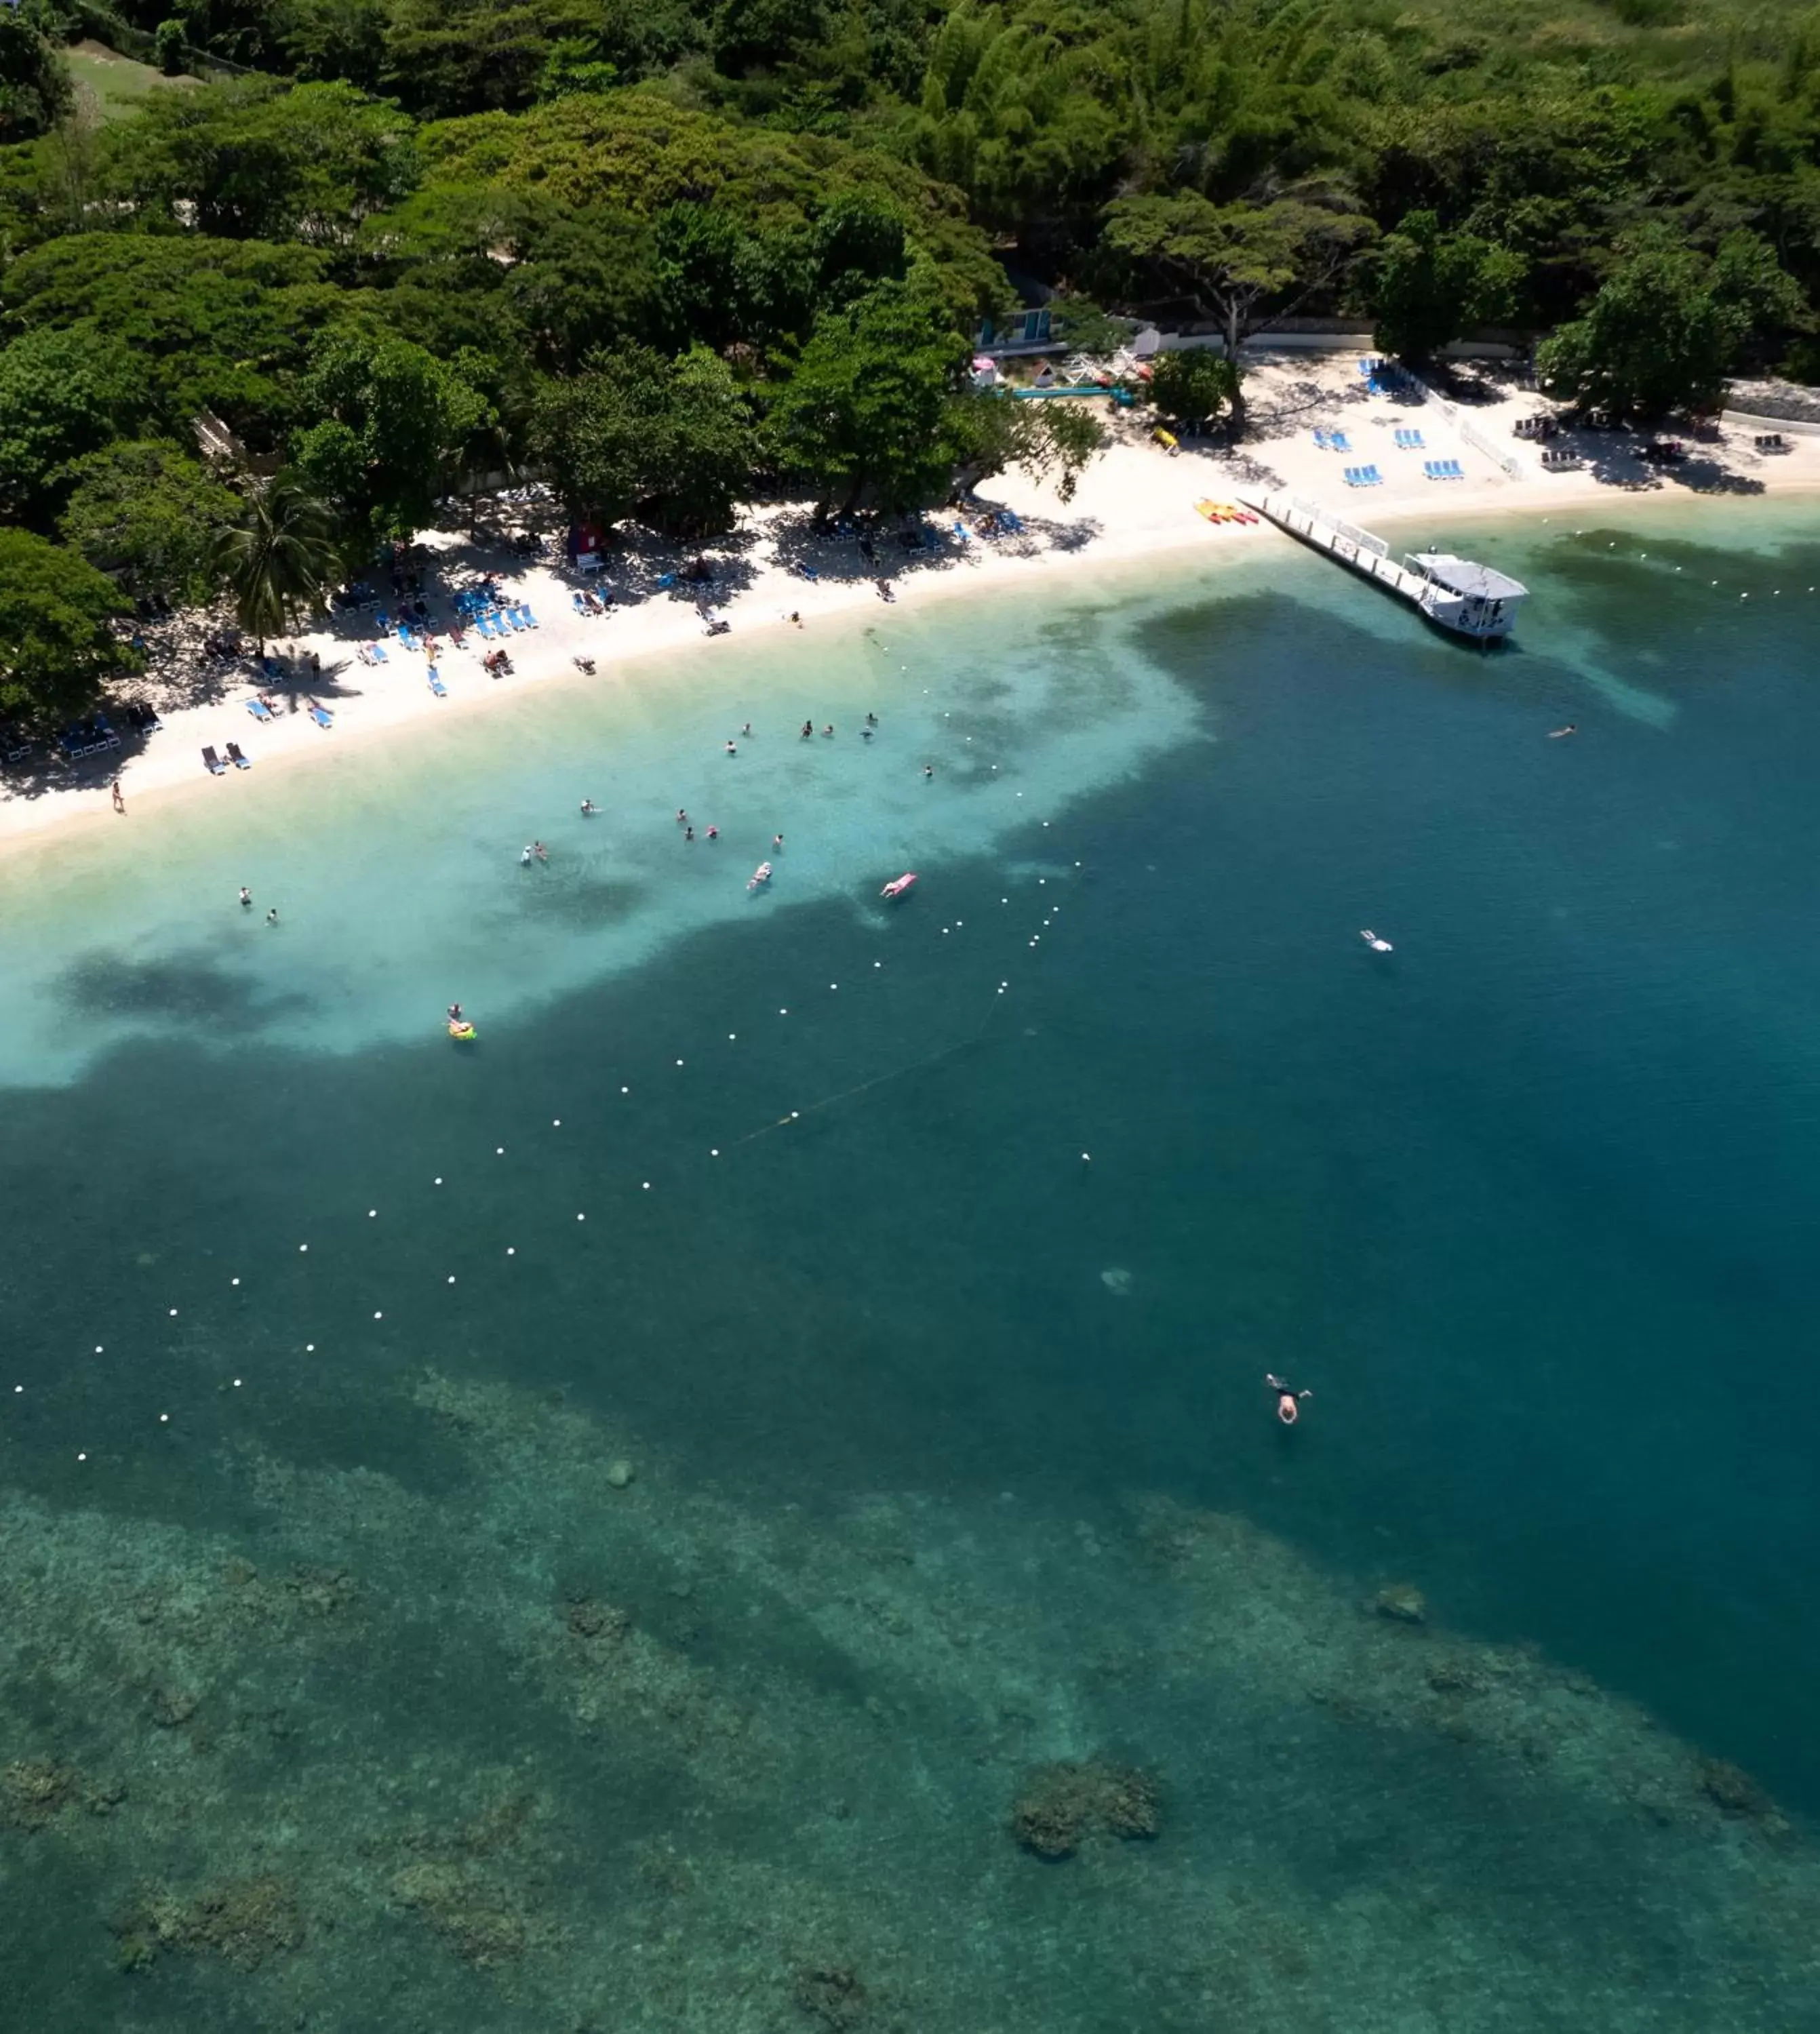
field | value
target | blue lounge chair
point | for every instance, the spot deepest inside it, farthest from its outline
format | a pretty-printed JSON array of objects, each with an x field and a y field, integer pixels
[
  {"x": 436, "y": 684},
  {"x": 382, "y": 621},
  {"x": 322, "y": 717},
  {"x": 484, "y": 623},
  {"x": 1373, "y": 478},
  {"x": 379, "y": 655},
  {"x": 407, "y": 636},
  {"x": 259, "y": 710},
  {"x": 1321, "y": 441},
  {"x": 238, "y": 757},
  {"x": 960, "y": 531},
  {"x": 1008, "y": 520},
  {"x": 1351, "y": 477},
  {"x": 580, "y": 605},
  {"x": 1338, "y": 441},
  {"x": 530, "y": 619},
  {"x": 1414, "y": 440},
  {"x": 513, "y": 622},
  {"x": 213, "y": 763}
]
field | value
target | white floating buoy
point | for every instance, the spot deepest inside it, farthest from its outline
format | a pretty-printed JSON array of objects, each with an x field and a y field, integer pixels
[
  {"x": 82, "y": 1458},
  {"x": 556, "y": 1123},
  {"x": 714, "y": 1151},
  {"x": 98, "y": 1350},
  {"x": 625, "y": 1091},
  {"x": 1088, "y": 1157},
  {"x": 302, "y": 1246},
  {"x": 310, "y": 1349},
  {"x": 511, "y": 1250},
  {"x": 436, "y": 1182},
  {"x": 379, "y": 1317},
  {"x": 783, "y": 1013},
  {"x": 581, "y": 1217},
  {"x": 237, "y": 1384},
  {"x": 174, "y": 1313},
  {"x": 499, "y": 1151},
  {"x": 793, "y": 1115},
  {"x": 451, "y": 1279},
  {"x": 162, "y": 1418},
  {"x": 646, "y": 1185},
  {"x": 371, "y": 1213},
  {"x": 233, "y": 1281}
]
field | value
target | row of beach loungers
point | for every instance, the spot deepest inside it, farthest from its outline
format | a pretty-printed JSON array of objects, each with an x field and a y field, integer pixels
[
  {"x": 260, "y": 711},
  {"x": 216, "y": 767},
  {"x": 1364, "y": 476},
  {"x": 1443, "y": 469}
]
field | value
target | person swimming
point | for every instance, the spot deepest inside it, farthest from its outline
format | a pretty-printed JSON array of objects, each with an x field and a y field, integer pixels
[
  {"x": 807, "y": 729},
  {"x": 524, "y": 859},
  {"x": 689, "y": 833},
  {"x": 1372, "y": 940},
  {"x": 588, "y": 808},
  {"x": 714, "y": 833},
  {"x": 1288, "y": 1410},
  {"x": 731, "y": 750},
  {"x": 538, "y": 849},
  {"x": 747, "y": 730},
  {"x": 776, "y": 842},
  {"x": 1556, "y": 734},
  {"x": 246, "y": 894},
  {"x": 455, "y": 1015}
]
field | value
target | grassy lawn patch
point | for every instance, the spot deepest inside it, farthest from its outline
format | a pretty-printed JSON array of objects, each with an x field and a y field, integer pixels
[{"x": 115, "y": 83}]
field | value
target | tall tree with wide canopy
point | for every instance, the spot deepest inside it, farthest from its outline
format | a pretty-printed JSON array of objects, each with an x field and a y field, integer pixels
[
  {"x": 279, "y": 558},
  {"x": 57, "y": 642},
  {"x": 1657, "y": 337},
  {"x": 145, "y": 510},
  {"x": 864, "y": 409},
  {"x": 1428, "y": 287},
  {"x": 1229, "y": 262}
]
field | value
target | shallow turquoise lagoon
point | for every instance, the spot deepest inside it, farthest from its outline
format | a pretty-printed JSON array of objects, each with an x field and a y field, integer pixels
[{"x": 746, "y": 1499}]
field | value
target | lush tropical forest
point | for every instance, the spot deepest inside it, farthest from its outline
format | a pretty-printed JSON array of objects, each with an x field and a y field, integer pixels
[{"x": 331, "y": 262}]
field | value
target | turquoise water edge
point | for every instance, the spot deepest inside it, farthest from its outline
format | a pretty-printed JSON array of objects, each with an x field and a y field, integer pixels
[{"x": 745, "y": 1500}]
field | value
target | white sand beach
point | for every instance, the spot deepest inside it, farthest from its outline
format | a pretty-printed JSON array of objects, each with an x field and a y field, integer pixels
[{"x": 1136, "y": 500}]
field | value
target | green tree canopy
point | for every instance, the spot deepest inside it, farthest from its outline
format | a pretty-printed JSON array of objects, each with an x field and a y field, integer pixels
[
  {"x": 1192, "y": 384},
  {"x": 670, "y": 442},
  {"x": 210, "y": 323},
  {"x": 57, "y": 642},
  {"x": 63, "y": 393},
  {"x": 1656, "y": 338},
  {"x": 146, "y": 512},
  {"x": 254, "y": 160},
  {"x": 1428, "y": 287},
  {"x": 34, "y": 89},
  {"x": 864, "y": 411},
  {"x": 395, "y": 421}
]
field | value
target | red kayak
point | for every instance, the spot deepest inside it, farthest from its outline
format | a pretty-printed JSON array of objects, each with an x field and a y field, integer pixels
[{"x": 900, "y": 886}]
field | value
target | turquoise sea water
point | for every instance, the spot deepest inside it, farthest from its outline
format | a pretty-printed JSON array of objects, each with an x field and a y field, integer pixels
[{"x": 735, "y": 1432}]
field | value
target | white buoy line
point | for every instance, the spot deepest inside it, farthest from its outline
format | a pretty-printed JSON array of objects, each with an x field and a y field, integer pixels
[{"x": 793, "y": 1116}]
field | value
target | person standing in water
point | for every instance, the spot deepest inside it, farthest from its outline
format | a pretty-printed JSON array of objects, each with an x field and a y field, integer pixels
[
  {"x": 246, "y": 896},
  {"x": 271, "y": 916},
  {"x": 1289, "y": 1408}
]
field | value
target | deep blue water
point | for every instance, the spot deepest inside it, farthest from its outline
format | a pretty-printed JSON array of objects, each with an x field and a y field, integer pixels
[{"x": 1530, "y": 1204}]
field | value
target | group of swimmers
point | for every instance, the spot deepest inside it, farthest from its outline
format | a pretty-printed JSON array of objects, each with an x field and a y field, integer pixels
[{"x": 247, "y": 905}]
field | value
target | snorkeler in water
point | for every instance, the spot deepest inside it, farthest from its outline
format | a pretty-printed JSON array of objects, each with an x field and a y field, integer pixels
[{"x": 1288, "y": 1410}]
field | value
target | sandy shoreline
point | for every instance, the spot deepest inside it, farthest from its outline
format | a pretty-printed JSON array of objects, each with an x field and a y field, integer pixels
[{"x": 1135, "y": 503}]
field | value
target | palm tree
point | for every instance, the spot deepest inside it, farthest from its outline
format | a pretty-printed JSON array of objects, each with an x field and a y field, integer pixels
[{"x": 279, "y": 557}]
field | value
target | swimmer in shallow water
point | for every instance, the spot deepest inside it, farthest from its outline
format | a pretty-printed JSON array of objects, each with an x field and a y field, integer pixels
[
  {"x": 1556, "y": 734},
  {"x": 246, "y": 894},
  {"x": 587, "y": 809},
  {"x": 1289, "y": 1408}
]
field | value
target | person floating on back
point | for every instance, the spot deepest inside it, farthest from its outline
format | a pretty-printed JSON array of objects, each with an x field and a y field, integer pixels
[{"x": 1288, "y": 1410}]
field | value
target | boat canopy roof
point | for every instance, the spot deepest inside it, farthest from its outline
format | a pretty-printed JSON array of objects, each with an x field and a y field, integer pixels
[{"x": 1462, "y": 575}]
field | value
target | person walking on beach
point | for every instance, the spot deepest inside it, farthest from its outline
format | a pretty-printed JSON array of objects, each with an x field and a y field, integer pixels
[
  {"x": 1289, "y": 1408},
  {"x": 119, "y": 796}
]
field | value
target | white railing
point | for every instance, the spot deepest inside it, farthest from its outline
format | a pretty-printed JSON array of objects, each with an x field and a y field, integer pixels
[{"x": 1328, "y": 520}]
